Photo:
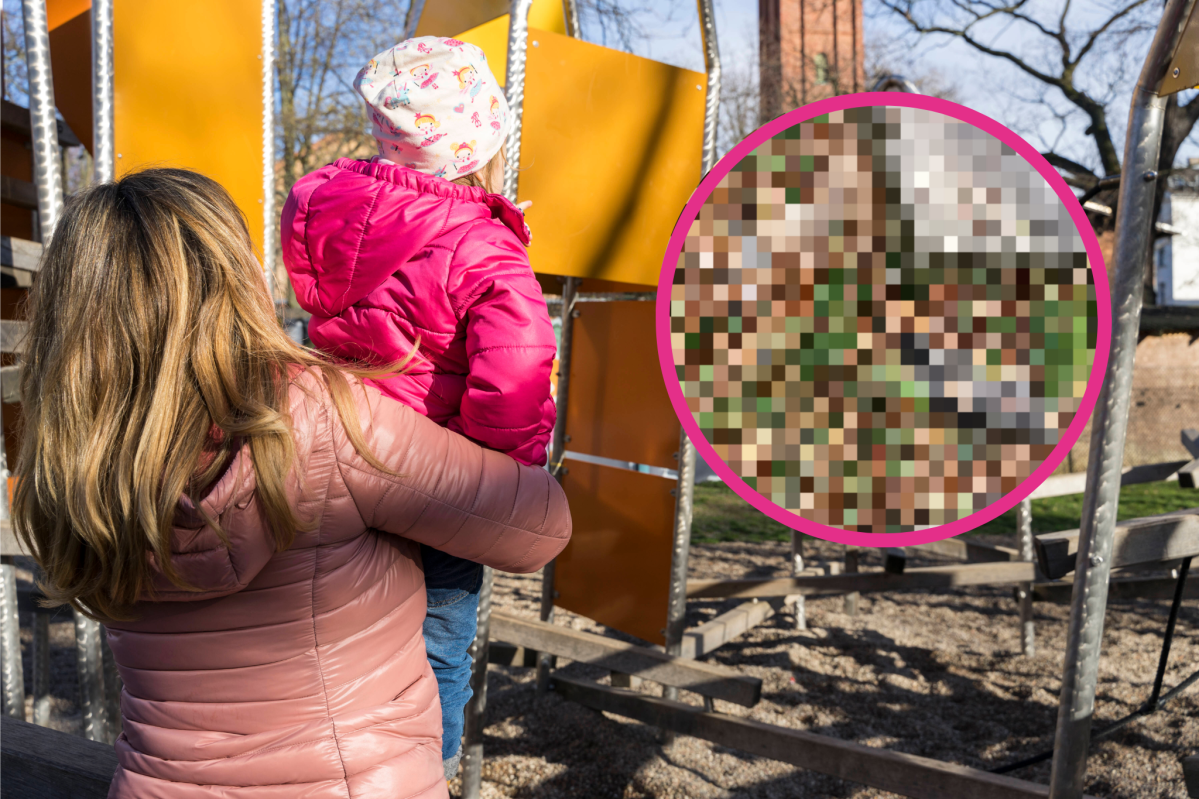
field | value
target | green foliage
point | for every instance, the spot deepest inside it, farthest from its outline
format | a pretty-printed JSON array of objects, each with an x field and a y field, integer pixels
[{"x": 721, "y": 515}]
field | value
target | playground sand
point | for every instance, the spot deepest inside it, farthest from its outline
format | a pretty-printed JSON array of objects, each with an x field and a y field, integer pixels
[{"x": 937, "y": 675}]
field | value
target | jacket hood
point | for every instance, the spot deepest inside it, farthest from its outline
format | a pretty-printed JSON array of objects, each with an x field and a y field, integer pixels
[
  {"x": 198, "y": 554},
  {"x": 349, "y": 226}
]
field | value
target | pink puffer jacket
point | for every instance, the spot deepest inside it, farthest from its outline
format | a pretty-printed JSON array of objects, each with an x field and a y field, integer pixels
[
  {"x": 381, "y": 255},
  {"x": 303, "y": 673}
]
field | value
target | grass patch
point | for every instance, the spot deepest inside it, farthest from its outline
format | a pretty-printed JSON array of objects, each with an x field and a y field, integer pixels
[{"x": 721, "y": 515}]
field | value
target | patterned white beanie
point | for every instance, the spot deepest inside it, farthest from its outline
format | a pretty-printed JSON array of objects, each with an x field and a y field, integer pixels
[{"x": 435, "y": 106}]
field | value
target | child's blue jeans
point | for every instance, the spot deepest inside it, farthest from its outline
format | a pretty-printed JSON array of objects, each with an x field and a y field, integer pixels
[{"x": 453, "y": 586}]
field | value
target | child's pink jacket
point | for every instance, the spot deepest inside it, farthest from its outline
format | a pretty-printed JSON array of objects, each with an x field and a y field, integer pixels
[{"x": 381, "y": 255}]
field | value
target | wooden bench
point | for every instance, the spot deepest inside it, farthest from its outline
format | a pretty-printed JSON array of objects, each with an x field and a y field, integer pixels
[{"x": 40, "y": 763}]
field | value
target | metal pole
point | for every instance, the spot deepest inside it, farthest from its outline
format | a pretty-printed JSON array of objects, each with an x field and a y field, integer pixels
[
  {"x": 42, "y": 123},
  {"x": 103, "y": 138},
  {"x": 514, "y": 84},
  {"x": 797, "y": 601},
  {"x": 90, "y": 671},
  {"x": 570, "y": 287},
  {"x": 112, "y": 688},
  {"x": 850, "y": 603},
  {"x": 570, "y": 10},
  {"x": 10, "y": 637},
  {"x": 1024, "y": 590},
  {"x": 268, "y": 145},
  {"x": 41, "y": 659},
  {"x": 676, "y": 608},
  {"x": 1134, "y": 229},
  {"x": 707, "y": 29},
  {"x": 472, "y": 747}
]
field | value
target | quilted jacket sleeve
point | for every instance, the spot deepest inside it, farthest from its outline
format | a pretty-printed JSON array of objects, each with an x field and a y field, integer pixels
[
  {"x": 450, "y": 493},
  {"x": 510, "y": 349}
]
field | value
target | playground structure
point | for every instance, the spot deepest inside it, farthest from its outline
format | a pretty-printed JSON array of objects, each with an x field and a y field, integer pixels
[{"x": 627, "y": 566}]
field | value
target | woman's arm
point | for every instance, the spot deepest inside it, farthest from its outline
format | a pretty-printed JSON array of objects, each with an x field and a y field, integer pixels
[{"x": 450, "y": 493}]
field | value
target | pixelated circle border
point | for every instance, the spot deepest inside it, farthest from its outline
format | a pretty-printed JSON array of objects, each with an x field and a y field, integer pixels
[{"x": 962, "y": 114}]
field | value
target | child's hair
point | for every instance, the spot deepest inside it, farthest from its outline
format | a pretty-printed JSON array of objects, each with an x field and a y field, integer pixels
[
  {"x": 489, "y": 172},
  {"x": 149, "y": 323}
]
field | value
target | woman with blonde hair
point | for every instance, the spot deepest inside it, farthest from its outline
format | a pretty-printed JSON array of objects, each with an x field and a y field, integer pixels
[{"x": 244, "y": 515}]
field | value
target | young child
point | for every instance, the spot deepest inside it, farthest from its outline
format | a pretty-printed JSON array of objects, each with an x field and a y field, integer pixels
[{"x": 415, "y": 250}]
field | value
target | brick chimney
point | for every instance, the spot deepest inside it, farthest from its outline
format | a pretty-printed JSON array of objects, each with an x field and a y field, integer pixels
[{"x": 808, "y": 50}]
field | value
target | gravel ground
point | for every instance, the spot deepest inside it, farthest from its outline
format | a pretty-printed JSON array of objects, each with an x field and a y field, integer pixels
[{"x": 938, "y": 675}]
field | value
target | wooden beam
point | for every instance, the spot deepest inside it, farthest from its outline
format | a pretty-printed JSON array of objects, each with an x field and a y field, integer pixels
[
  {"x": 895, "y": 559},
  {"x": 12, "y": 335},
  {"x": 38, "y": 761},
  {"x": 1061, "y": 485},
  {"x": 904, "y": 774},
  {"x": 701, "y": 640},
  {"x": 20, "y": 254},
  {"x": 1153, "y": 539},
  {"x": 968, "y": 550},
  {"x": 10, "y": 383},
  {"x": 1156, "y": 587},
  {"x": 502, "y": 654},
  {"x": 15, "y": 118},
  {"x": 933, "y": 577},
  {"x": 1190, "y": 775},
  {"x": 9, "y": 543},
  {"x": 1190, "y": 440},
  {"x": 707, "y": 679},
  {"x": 1188, "y": 476},
  {"x": 19, "y": 193}
]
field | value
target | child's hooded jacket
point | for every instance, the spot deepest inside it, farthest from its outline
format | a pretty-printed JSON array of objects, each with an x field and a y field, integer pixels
[{"x": 383, "y": 257}]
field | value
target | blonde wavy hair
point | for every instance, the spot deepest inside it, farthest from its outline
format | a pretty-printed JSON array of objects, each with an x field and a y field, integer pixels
[{"x": 150, "y": 325}]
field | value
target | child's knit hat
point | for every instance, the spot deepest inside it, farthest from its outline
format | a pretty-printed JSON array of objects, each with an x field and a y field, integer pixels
[{"x": 435, "y": 106}]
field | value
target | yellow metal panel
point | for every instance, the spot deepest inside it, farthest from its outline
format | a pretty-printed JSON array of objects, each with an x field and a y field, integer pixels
[
  {"x": 188, "y": 93},
  {"x": 610, "y": 152},
  {"x": 616, "y": 569},
  {"x": 451, "y": 17},
  {"x": 618, "y": 406},
  {"x": 1186, "y": 59}
]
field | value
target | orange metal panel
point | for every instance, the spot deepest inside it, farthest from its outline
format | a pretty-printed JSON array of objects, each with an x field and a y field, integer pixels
[
  {"x": 451, "y": 17},
  {"x": 616, "y": 569},
  {"x": 188, "y": 93},
  {"x": 618, "y": 406},
  {"x": 71, "y": 57},
  {"x": 610, "y": 152}
]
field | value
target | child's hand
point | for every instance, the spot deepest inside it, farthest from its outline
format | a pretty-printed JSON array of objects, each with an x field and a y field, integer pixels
[{"x": 525, "y": 205}]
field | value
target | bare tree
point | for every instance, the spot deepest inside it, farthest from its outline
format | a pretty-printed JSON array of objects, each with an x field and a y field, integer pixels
[
  {"x": 16, "y": 79},
  {"x": 1080, "y": 61}
]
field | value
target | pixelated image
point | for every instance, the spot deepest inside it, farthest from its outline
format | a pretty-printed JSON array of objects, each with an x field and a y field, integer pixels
[{"x": 883, "y": 319}]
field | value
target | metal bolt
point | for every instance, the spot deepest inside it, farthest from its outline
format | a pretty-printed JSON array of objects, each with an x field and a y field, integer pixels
[
  {"x": 557, "y": 594},
  {"x": 575, "y": 314},
  {"x": 674, "y": 493},
  {"x": 701, "y": 88},
  {"x": 1151, "y": 175},
  {"x": 1176, "y": 72},
  {"x": 1096, "y": 560},
  {"x": 120, "y": 156},
  {"x": 566, "y": 439},
  {"x": 535, "y": 43}
]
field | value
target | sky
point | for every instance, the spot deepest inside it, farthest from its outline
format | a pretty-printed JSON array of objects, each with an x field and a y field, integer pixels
[{"x": 983, "y": 83}]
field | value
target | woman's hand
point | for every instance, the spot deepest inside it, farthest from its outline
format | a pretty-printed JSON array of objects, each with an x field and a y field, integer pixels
[{"x": 524, "y": 206}]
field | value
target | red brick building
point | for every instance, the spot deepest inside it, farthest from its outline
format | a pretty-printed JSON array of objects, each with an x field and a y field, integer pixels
[{"x": 808, "y": 50}]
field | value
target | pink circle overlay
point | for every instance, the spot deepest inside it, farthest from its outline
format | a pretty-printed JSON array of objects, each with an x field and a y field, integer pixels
[{"x": 962, "y": 114}]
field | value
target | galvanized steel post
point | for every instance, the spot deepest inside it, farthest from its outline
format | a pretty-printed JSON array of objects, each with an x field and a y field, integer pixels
[
  {"x": 43, "y": 124},
  {"x": 13, "y": 675},
  {"x": 1024, "y": 590},
  {"x": 676, "y": 609},
  {"x": 570, "y": 12},
  {"x": 41, "y": 661},
  {"x": 514, "y": 87},
  {"x": 103, "y": 137},
  {"x": 570, "y": 287},
  {"x": 1134, "y": 230}
]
